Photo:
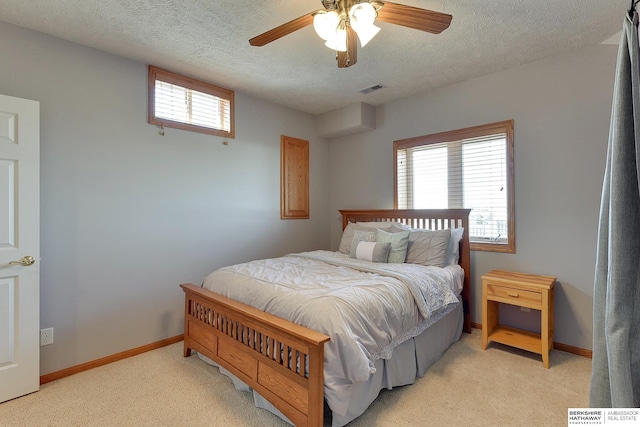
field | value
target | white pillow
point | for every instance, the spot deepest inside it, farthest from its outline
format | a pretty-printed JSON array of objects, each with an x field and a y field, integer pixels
[
  {"x": 453, "y": 251},
  {"x": 371, "y": 251}
]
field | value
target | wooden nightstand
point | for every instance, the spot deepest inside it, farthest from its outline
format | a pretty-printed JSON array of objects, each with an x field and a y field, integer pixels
[{"x": 523, "y": 290}]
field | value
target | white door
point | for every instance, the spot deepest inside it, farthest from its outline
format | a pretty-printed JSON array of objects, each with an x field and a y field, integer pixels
[{"x": 19, "y": 247}]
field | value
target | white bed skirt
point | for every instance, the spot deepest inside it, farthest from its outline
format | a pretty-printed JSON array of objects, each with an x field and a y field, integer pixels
[{"x": 426, "y": 349}]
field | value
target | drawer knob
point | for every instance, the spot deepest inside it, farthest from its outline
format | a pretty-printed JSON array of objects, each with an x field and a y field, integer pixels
[{"x": 513, "y": 294}]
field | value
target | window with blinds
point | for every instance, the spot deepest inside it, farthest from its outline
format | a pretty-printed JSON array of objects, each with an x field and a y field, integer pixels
[
  {"x": 184, "y": 103},
  {"x": 469, "y": 168}
]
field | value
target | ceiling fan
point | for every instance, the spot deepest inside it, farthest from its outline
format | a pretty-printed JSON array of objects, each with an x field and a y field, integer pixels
[{"x": 341, "y": 22}]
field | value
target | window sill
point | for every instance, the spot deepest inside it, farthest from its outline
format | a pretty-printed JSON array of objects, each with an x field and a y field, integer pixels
[{"x": 509, "y": 248}]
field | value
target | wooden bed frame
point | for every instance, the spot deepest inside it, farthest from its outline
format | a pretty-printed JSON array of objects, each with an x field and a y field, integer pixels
[{"x": 269, "y": 353}]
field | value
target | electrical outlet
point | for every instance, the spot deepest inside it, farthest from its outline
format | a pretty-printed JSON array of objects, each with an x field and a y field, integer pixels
[
  {"x": 46, "y": 336},
  {"x": 527, "y": 309}
]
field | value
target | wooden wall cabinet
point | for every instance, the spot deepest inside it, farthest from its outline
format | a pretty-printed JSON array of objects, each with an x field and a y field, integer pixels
[{"x": 294, "y": 178}]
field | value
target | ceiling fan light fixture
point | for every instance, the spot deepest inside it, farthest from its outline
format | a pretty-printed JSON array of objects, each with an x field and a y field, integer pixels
[
  {"x": 361, "y": 17},
  {"x": 325, "y": 23},
  {"x": 340, "y": 19},
  {"x": 362, "y": 14},
  {"x": 366, "y": 34},
  {"x": 339, "y": 40}
]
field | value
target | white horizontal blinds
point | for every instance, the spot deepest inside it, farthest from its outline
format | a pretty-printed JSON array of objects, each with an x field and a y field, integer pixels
[
  {"x": 469, "y": 173},
  {"x": 181, "y": 102},
  {"x": 185, "y": 105},
  {"x": 429, "y": 177},
  {"x": 484, "y": 187}
]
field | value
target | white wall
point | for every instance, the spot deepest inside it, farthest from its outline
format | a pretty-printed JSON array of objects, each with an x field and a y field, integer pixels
[
  {"x": 128, "y": 214},
  {"x": 561, "y": 108}
]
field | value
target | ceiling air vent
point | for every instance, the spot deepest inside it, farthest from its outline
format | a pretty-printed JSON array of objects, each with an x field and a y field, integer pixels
[{"x": 371, "y": 89}]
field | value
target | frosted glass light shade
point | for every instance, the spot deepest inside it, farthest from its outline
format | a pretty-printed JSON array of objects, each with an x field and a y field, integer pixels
[
  {"x": 339, "y": 40},
  {"x": 326, "y": 23},
  {"x": 361, "y": 17},
  {"x": 366, "y": 34},
  {"x": 362, "y": 14}
]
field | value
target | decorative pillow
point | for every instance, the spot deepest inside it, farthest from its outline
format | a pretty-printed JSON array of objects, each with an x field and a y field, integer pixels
[
  {"x": 399, "y": 241},
  {"x": 428, "y": 247},
  {"x": 453, "y": 251},
  {"x": 398, "y": 227},
  {"x": 362, "y": 236},
  {"x": 347, "y": 234},
  {"x": 347, "y": 237},
  {"x": 371, "y": 251}
]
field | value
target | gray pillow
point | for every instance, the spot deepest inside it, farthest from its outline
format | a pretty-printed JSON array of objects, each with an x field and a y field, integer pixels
[
  {"x": 362, "y": 236},
  {"x": 428, "y": 247},
  {"x": 370, "y": 251},
  {"x": 399, "y": 242},
  {"x": 347, "y": 237},
  {"x": 347, "y": 233}
]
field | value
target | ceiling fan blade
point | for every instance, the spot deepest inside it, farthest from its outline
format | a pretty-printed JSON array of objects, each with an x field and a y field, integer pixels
[
  {"x": 282, "y": 30},
  {"x": 350, "y": 57},
  {"x": 414, "y": 17}
]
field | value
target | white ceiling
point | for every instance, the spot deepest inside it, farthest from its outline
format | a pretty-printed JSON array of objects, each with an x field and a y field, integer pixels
[{"x": 208, "y": 39}]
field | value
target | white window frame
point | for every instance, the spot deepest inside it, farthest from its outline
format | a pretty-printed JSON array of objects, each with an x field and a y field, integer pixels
[
  {"x": 453, "y": 140},
  {"x": 190, "y": 84}
]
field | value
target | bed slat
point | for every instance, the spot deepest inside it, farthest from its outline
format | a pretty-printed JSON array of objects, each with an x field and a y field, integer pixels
[{"x": 268, "y": 353}]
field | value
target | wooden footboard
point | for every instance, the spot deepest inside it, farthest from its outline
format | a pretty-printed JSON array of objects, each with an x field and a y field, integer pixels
[{"x": 266, "y": 352}]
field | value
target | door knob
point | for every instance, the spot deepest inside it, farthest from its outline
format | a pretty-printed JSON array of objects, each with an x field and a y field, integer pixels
[{"x": 25, "y": 260}]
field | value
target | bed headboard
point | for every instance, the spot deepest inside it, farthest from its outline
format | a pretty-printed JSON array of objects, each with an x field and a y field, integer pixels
[{"x": 432, "y": 219}]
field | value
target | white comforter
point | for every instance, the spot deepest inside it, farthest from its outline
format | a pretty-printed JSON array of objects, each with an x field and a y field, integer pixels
[{"x": 366, "y": 308}]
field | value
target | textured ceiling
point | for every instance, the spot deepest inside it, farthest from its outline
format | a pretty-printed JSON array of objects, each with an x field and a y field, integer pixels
[{"x": 208, "y": 39}]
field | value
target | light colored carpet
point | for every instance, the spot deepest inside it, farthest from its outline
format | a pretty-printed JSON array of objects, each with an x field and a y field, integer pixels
[{"x": 467, "y": 387}]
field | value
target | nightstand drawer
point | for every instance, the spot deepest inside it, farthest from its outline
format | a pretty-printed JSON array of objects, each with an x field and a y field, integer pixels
[{"x": 516, "y": 296}]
